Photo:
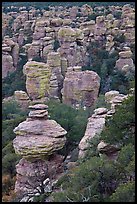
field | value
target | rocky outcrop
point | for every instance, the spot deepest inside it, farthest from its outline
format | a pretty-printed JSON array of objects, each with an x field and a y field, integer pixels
[
  {"x": 80, "y": 87},
  {"x": 37, "y": 79},
  {"x": 94, "y": 127},
  {"x": 10, "y": 56},
  {"x": 54, "y": 62},
  {"x": 96, "y": 124},
  {"x": 70, "y": 45},
  {"x": 110, "y": 151},
  {"x": 37, "y": 140},
  {"x": 125, "y": 62},
  {"x": 114, "y": 98}
]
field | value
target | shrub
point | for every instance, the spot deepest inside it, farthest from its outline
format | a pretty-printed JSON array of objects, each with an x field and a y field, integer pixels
[
  {"x": 124, "y": 193},
  {"x": 73, "y": 121},
  {"x": 117, "y": 132}
]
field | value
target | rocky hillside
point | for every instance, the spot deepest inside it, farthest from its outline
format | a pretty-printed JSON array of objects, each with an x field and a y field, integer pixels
[{"x": 66, "y": 70}]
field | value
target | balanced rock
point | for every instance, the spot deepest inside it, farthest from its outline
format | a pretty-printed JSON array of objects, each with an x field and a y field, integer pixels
[{"x": 38, "y": 136}]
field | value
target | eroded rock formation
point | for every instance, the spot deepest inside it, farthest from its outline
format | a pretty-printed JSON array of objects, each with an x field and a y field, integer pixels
[
  {"x": 37, "y": 141},
  {"x": 80, "y": 87}
]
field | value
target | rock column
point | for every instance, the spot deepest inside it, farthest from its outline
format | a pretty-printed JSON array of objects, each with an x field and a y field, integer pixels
[{"x": 37, "y": 140}]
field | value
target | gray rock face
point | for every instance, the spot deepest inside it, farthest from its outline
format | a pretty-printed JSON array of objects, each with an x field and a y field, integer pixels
[{"x": 7, "y": 64}]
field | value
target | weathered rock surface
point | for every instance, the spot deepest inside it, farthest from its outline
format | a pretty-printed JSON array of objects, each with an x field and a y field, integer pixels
[
  {"x": 95, "y": 126},
  {"x": 37, "y": 79},
  {"x": 31, "y": 174},
  {"x": 125, "y": 59},
  {"x": 80, "y": 87},
  {"x": 38, "y": 136},
  {"x": 37, "y": 140},
  {"x": 10, "y": 56}
]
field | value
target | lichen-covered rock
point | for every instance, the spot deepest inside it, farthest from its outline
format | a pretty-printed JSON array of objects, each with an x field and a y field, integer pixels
[
  {"x": 38, "y": 136},
  {"x": 53, "y": 59},
  {"x": 37, "y": 79},
  {"x": 66, "y": 33},
  {"x": 80, "y": 87}
]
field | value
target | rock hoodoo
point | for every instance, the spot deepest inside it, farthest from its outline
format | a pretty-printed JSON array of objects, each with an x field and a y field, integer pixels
[
  {"x": 80, "y": 87},
  {"x": 37, "y": 79},
  {"x": 37, "y": 140},
  {"x": 96, "y": 123}
]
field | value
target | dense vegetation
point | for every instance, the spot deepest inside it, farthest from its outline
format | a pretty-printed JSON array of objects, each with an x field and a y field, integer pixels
[
  {"x": 97, "y": 179},
  {"x": 103, "y": 62},
  {"x": 12, "y": 115}
]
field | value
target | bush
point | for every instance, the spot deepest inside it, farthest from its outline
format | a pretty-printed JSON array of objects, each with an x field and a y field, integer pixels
[
  {"x": 124, "y": 193},
  {"x": 117, "y": 132}
]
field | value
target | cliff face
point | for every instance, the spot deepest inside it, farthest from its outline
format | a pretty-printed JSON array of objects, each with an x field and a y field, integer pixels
[{"x": 37, "y": 141}]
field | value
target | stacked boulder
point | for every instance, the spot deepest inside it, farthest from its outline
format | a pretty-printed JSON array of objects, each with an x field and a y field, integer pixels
[
  {"x": 37, "y": 141},
  {"x": 109, "y": 43},
  {"x": 54, "y": 62},
  {"x": 80, "y": 87},
  {"x": 100, "y": 28},
  {"x": 128, "y": 23},
  {"x": 114, "y": 98},
  {"x": 125, "y": 62},
  {"x": 47, "y": 43}
]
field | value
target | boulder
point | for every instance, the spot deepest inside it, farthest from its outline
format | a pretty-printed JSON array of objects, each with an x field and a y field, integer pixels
[
  {"x": 110, "y": 95},
  {"x": 66, "y": 33},
  {"x": 80, "y": 87},
  {"x": 38, "y": 136},
  {"x": 110, "y": 151}
]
